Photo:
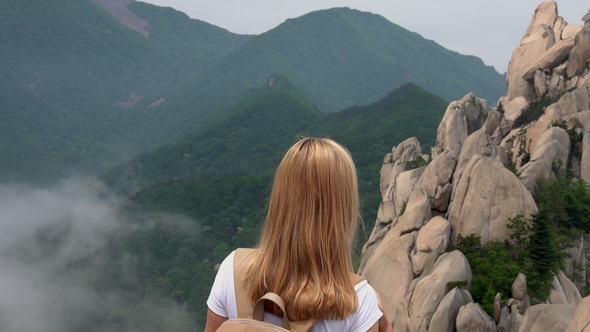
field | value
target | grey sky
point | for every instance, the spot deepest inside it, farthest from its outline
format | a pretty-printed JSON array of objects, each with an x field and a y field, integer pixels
[{"x": 484, "y": 28}]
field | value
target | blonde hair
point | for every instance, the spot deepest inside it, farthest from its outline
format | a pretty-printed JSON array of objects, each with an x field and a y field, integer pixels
[{"x": 304, "y": 252}]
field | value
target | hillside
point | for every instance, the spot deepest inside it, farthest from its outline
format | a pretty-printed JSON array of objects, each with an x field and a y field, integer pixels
[
  {"x": 265, "y": 122},
  {"x": 342, "y": 57},
  {"x": 100, "y": 75}
]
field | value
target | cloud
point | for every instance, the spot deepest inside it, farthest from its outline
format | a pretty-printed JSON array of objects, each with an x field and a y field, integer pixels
[{"x": 55, "y": 266}]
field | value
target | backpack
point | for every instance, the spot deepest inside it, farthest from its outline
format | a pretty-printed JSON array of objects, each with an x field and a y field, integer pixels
[{"x": 250, "y": 318}]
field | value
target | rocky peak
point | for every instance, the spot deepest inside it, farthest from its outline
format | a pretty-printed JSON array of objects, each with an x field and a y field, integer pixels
[{"x": 466, "y": 188}]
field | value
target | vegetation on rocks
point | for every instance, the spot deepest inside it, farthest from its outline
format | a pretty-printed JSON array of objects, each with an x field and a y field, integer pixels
[{"x": 537, "y": 244}]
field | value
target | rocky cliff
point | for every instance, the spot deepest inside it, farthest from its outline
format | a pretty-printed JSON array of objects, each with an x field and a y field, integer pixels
[{"x": 467, "y": 189}]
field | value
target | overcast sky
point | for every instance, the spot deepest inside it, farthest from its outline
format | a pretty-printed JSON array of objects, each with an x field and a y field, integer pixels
[{"x": 489, "y": 29}]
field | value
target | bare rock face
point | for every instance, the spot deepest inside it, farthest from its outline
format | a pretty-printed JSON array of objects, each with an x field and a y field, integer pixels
[
  {"x": 452, "y": 130},
  {"x": 472, "y": 318},
  {"x": 430, "y": 290},
  {"x": 397, "y": 183},
  {"x": 585, "y": 163},
  {"x": 485, "y": 197},
  {"x": 570, "y": 291},
  {"x": 579, "y": 120},
  {"x": 433, "y": 240},
  {"x": 432, "y": 192},
  {"x": 580, "y": 54},
  {"x": 538, "y": 38},
  {"x": 513, "y": 108},
  {"x": 120, "y": 10},
  {"x": 570, "y": 31},
  {"x": 551, "y": 155},
  {"x": 445, "y": 316},
  {"x": 581, "y": 320},
  {"x": 574, "y": 101},
  {"x": 390, "y": 270},
  {"x": 576, "y": 263},
  {"x": 550, "y": 58},
  {"x": 548, "y": 317},
  {"x": 552, "y": 113}
]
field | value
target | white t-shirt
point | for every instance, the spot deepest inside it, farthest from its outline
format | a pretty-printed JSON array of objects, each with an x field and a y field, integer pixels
[{"x": 222, "y": 301}]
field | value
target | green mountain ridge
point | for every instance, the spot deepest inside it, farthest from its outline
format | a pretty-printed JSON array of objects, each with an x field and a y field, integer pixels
[
  {"x": 356, "y": 59},
  {"x": 74, "y": 57},
  {"x": 100, "y": 77},
  {"x": 266, "y": 121}
]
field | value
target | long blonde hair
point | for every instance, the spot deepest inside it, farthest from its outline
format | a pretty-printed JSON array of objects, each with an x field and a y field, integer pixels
[{"x": 304, "y": 252}]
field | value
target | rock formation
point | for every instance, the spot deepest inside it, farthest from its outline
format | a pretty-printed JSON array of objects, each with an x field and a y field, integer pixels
[{"x": 466, "y": 188}]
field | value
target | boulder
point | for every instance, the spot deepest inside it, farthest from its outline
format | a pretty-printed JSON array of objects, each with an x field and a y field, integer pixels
[
  {"x": 585, "y": 163},
  {"x": 515, "y": 318},
  {"x": 453, "y": 129},
  {"x": 579, "y": 120},
  {"x": 396, "y": 185},
  {"x": 535, "y": 171},
  {"x": 446, "y": 314},
  {"x": 472, "y": 318},
  {"x": 557, "y": 81},
  {"x": 541, "y": 81},
  {"x": 558, "y": 27},
  {"x": 513, "y": 108},
  {"x": 550, "y": 58},
  {"x": 503, "y": 129},
  {"x": 485, "y": 197},
  {"x": 519, "y": 287},
  {"x": 556, "y": 293},
  {"x": 547, "y": 317},
  {"x": 581, "y": 320},
  {"x": 551, "y": 152},
  {"x": 389, "y": 270},
  {"x": 580, "y": 54},
  {"x": 552, "y": 113},
  {"x": 504, "y": 320},
  {"x": 576, "y": 263},
  {"x": 570, "y": 31},
  {"x": 538, "y": 38},
  {"x": 496, "y": 307},
  {"x": 555, "y": 145},
  {"x": 570, "y": 291},
  {"x": 543, "y": 18},
  {"x": 433, "y": 240},
  {"x": 479, "y": 143},
  {"x": 432, "y": 192},
  {"x": 431, "y": 289},
  {"x": 574, "y": 102}
]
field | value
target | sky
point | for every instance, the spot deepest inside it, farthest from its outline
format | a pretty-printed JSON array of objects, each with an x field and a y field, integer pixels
[{"x": 487, "y": 29}]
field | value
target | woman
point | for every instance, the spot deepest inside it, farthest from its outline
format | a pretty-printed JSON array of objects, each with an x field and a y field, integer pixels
[{"x": 304, "y": 253}]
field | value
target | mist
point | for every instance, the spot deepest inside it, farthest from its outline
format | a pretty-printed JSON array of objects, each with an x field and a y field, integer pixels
[{"x": 57, "y": 268}]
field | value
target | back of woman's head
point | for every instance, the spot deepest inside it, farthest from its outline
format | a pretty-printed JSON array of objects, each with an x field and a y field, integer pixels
[{"x": 304, "y": 251}]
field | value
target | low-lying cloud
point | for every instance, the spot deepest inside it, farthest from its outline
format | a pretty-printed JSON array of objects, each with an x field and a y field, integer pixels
[{"x": 52, "y": 257}]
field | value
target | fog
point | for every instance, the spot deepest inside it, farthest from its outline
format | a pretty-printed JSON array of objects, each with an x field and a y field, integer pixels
[{"x": 53, "y": 262}]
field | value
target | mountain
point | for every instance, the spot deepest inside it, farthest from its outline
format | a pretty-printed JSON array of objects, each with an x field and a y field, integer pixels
[
  {"x": 342, "y": 57},
  {"x": 264, "y": 123},
  {"x": 116, "y": 91},
  {"x": 74, "y": 57}
]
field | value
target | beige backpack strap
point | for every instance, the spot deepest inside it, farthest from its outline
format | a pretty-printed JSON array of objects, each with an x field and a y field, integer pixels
[{"x": 242, "y": 258}]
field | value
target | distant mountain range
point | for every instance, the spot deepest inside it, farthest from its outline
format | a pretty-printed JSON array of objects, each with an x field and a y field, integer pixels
[{"x": 93, "y": 93}]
